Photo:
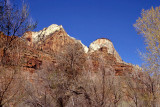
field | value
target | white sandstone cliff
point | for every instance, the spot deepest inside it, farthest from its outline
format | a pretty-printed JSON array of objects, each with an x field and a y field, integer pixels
[
  {"x": 42, "y": 34},
  {"x": 33, "y": 38},
  {"x": 99, "y": 43}
]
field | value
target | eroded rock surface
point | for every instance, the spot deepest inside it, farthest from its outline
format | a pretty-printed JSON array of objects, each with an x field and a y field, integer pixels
[
  {"x": 42, "y": 46},
  {"x": 103, "y": 42},
  {"x": 49, "y": 61}
]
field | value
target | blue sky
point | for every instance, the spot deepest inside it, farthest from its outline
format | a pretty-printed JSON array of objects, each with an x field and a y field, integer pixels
[{"x": 88, "y": 20}]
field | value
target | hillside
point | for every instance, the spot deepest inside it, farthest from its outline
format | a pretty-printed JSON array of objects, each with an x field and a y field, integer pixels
[{"x": 50, "y": 68}]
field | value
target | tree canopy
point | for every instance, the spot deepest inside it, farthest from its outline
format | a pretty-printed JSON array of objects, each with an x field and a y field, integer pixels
[{"x": 149, "y": 26}]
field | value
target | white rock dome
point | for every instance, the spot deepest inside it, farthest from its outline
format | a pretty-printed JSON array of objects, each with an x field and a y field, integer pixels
[{"x": 99, "y": 43}]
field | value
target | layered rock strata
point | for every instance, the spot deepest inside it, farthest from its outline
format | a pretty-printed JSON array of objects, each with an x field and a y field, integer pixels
[{"x": 39, "y": 47}]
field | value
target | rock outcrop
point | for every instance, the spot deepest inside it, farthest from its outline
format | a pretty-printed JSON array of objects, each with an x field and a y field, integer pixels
[
  {"x": 49, "y": 39},
  {"x": 48, "y": 63},
  {"x": 103, "y": 42},
  {"x": 39, "y": 47},
  {"x": 35, "y": 37}
]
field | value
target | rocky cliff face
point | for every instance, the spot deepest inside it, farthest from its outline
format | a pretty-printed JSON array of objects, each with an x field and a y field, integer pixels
[
  {"x": 45, "y": 43},
  {"x": 35, "y": 37},
  {"x": 103, "y": 42},
  {"x": 54, "y": 38},
  {"x": 47, "y": 62}
]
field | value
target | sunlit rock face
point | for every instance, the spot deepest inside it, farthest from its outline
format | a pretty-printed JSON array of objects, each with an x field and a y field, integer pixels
[
  {"x": 42, "y": 34},
  {"x": 52, "y": 38},
  {"x": 100, "y": 43},
  {"x": 37, "y": 48}
]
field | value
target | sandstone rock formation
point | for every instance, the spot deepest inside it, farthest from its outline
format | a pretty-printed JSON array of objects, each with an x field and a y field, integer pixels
[
  {"x": 52, "y": 38},
  {"x": 103, "y": 42},
  {"x": 38, "y": 56},
  {"x": 40, "y": 47},
  {"x": 35, "y": 37}
]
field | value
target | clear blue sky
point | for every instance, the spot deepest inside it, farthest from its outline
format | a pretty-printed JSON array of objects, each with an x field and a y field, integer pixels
[{"x": 88, "y": 20}]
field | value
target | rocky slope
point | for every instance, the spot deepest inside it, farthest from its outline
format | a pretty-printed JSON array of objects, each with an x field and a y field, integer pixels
[
  {"x": 103, "y": 42},
  {"x": 46, "y": 64},
  {"x": 39, "y": 47},
  {"x": 54, "y": 38}
]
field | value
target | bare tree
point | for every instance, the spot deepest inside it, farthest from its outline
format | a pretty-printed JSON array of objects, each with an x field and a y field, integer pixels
[
  {"x": 58, "y": 84},
  {"x": 71, "y": 59},
  {"x": 14, "y": 20},
  {"x": 148, "y": 26},
  {"x": 10, "y": 87},
  {"x": 102, "y": 88}
]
